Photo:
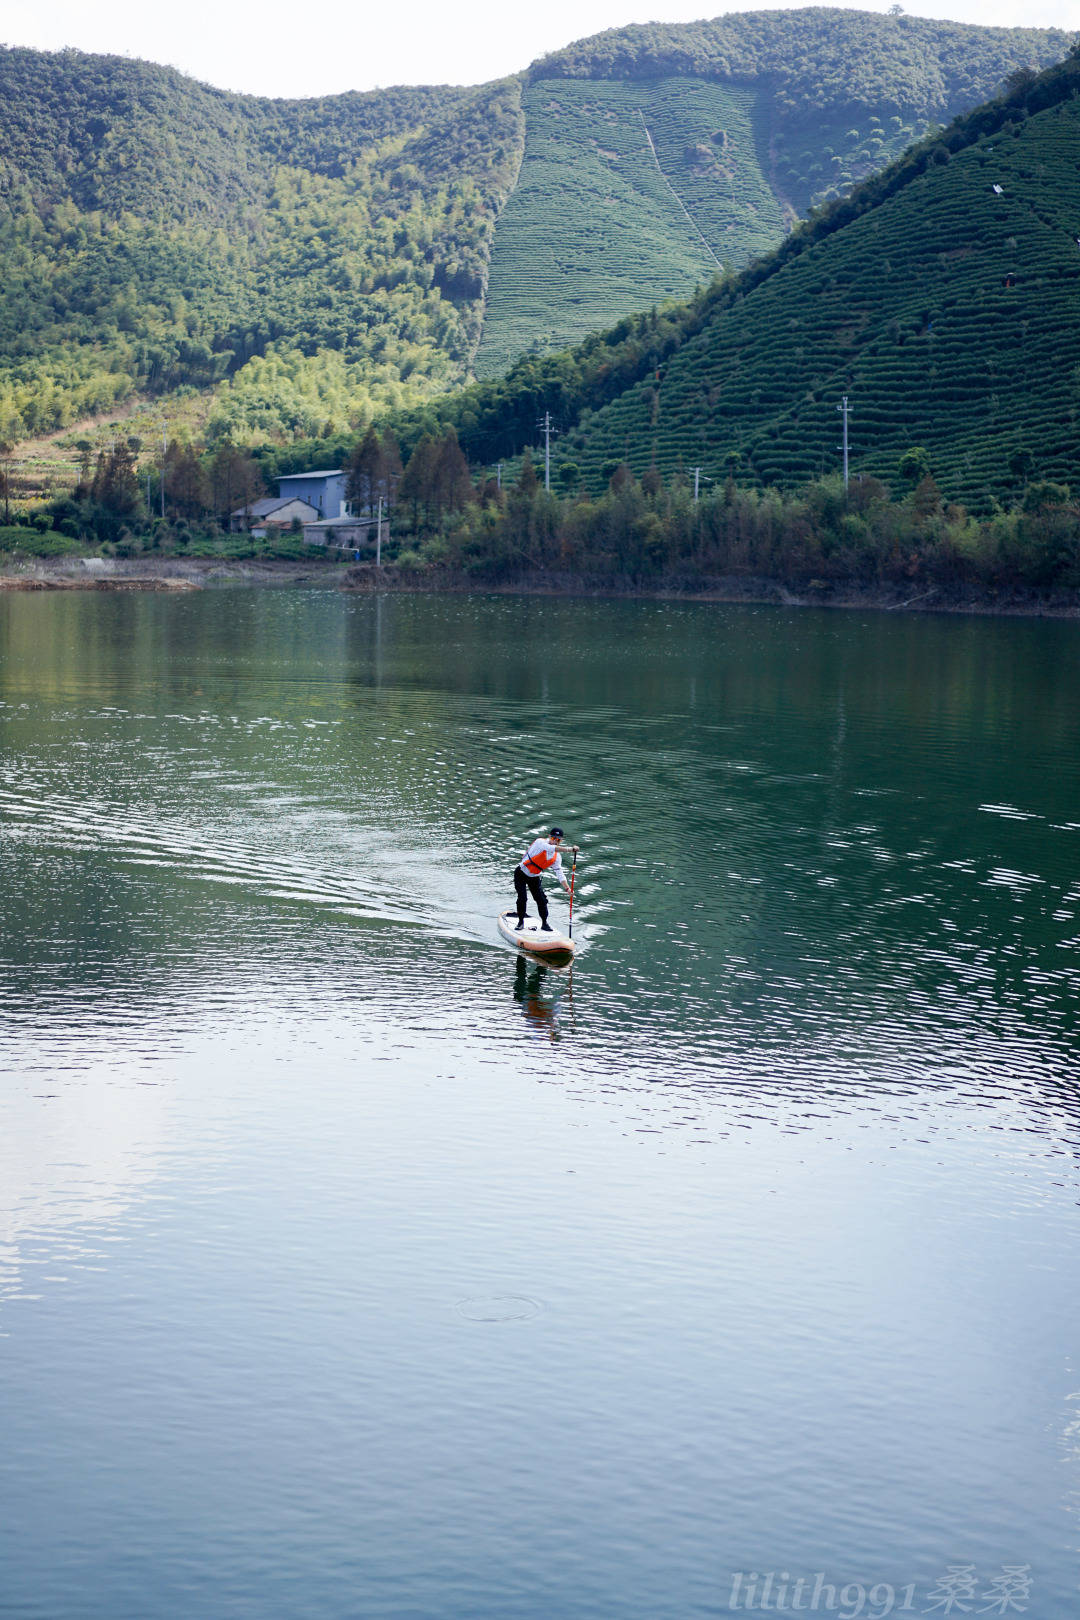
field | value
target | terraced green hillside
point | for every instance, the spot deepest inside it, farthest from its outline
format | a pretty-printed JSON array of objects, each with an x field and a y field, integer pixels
[
  {"x": 949, "y": 313},
  {"x": 302, "y": 266},
  {"x": 755, "y": 119},
  {"x": 842, "y": 84},
  {"x": 628, "y": 193}
]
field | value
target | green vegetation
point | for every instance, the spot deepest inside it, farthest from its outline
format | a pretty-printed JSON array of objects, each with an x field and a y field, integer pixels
[
  {"x": 817, "y": 57},
  {"x": 651, "y": 534},
  {"x": 30, "y": 540},
  {"x": 320, "y": 260},
  {"x": 306, "y": 266},
  {"x": 948, "y": 313},
  {"x": 945, "y": 309},
  {"x": 595, "y": 224},
  {"x": 22, "y": 542},
  {"x": 844, "y": 92},
  {"x": 756, "y": 119},
  {"x": 942, "y": 296}
]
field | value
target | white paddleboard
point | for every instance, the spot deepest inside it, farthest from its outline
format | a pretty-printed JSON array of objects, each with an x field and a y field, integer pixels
[{"x": 532, "y": 936}]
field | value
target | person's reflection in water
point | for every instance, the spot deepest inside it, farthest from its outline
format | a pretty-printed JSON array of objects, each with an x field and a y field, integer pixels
[{"x": 538, "y": 1010}]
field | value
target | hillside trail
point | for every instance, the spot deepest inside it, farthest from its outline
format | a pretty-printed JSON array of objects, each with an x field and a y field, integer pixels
[
  {"x": 692, "y": 222},
  {"x": 519, "y": 160}
]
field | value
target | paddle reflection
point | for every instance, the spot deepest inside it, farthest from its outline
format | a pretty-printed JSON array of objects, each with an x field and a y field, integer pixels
[{"x": 539, "y": 989}]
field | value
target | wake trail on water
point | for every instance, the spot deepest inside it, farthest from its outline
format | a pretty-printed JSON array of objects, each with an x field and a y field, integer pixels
[{"x": 408, "y": 888}]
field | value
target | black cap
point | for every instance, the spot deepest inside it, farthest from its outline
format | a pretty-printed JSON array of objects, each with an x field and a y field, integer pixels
[{"x": 556, "y": 832}]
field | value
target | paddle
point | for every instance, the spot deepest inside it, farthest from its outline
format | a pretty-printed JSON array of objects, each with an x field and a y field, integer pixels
[{"x": 573, "y": 870}]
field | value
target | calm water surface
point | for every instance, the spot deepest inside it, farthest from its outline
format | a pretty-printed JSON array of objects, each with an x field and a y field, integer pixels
[{"x": 350, "y": 1266}]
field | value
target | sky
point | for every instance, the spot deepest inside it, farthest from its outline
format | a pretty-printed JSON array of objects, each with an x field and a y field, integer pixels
[{"x": 335, "y": 45}]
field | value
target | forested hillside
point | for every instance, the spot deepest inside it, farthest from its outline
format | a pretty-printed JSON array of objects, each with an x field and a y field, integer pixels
[
  {"x": 814, "y": 56},
  {"x": 327, "y": 258},
  {"x": 845, "y": 90},
  {"x": 304, "y": 266},
  {"x": 655, "y": 153},
  {"x": 948, "y": 311}
]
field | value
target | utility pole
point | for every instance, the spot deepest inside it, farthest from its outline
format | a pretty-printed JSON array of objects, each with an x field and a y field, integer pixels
[
  {"x": 697, "y": 483},
  {"x": 546, "y": 424},
  {"x": 164, "y": 453},
  {"x": 843, "y": 408},
  {"x": 378, "y": 537},
  {"x": 498, "y": 476}
]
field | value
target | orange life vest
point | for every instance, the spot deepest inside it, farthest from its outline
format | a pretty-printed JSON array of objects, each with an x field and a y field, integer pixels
[{"x": 538, "y": 864}]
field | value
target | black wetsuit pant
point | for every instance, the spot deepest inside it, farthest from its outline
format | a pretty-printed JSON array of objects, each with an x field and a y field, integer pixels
[{"x": 526, "y": 885}]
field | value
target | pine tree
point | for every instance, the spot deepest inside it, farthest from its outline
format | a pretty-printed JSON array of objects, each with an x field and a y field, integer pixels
[
  {"x": 185, "y": 482},
  {"x": 417, "y": 482},
  {"x": 453, "y": 485},
  {"x": 115, "y": 485},
  {"x": 366, "y": 473},
  {"x": 391, "y": 456},
  {"x": 235, "y": 481},
  {"x": 5, "y": 479}
]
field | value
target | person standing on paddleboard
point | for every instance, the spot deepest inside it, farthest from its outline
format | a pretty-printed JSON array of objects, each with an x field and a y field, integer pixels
[{"x": 541, "y": 856}]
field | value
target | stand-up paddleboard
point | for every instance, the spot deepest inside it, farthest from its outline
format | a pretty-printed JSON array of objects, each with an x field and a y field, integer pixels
[{"x": 532, "y": 936}]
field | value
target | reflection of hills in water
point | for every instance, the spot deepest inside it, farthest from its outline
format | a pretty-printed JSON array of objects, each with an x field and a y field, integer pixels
[{"x": 788, "y": 882}]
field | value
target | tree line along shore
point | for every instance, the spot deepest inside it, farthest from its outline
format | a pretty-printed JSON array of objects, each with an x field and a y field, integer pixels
[{"x": 448, "y": 527}]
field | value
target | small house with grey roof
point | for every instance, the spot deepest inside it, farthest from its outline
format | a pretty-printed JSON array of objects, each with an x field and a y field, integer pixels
[{"x": 305, "y": 497}]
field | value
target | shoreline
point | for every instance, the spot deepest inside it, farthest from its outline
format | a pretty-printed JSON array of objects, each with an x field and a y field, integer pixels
[
  {"x": 734, "y": 589},
  {"x": 186, "y": 574},
  {"x": 150, "y": 573}
]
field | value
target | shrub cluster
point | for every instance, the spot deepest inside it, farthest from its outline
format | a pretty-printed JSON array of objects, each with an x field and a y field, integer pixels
[{"x": 645, "y": 533}]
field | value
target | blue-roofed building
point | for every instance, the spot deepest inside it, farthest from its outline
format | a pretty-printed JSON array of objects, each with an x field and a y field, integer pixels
[{"x": 325, "y": 491}]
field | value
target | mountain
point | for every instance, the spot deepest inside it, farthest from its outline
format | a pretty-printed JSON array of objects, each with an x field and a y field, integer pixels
[
  {"x": 290, "y": 266},
  {"x": 942, "y": 297},
  {"x": 656, "y": 154},
  {"x": 327, "y": 257},
  {"x": 629, "y": 194}
]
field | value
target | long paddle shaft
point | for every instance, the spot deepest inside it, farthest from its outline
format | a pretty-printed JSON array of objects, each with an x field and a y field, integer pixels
[{"x": 573, "y": 870}]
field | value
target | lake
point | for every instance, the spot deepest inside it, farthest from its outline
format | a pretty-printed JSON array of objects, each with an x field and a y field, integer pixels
[{"x": 352, "y": 1266}]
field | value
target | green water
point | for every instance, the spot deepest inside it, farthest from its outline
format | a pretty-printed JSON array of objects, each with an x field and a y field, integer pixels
[{"x": 352, "y": 1266}]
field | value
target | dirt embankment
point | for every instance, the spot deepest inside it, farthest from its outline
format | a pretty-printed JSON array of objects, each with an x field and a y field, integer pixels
[
  {"x": 33, "y": 582},
  {"x": 145, "y": 573}
]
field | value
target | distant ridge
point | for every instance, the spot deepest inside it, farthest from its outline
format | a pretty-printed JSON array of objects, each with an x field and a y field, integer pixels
[
  {"x": 283, "y": 268},
  {"x": 816, "y": 56},
  {"x": 942, "y": 296}
]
